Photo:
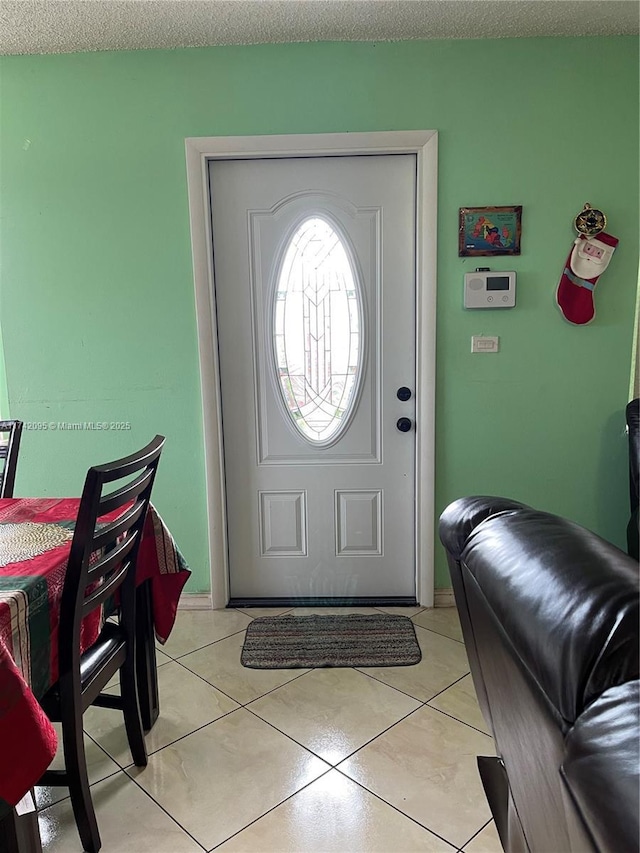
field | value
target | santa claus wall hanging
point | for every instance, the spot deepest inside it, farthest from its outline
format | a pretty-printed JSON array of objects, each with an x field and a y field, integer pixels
[{"x": 588, "y": 259}]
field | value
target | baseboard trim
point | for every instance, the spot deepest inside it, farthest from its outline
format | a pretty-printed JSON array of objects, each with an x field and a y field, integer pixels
[
  {"x": 444, "y": 597},
  {"x": 195, "y": 601}
]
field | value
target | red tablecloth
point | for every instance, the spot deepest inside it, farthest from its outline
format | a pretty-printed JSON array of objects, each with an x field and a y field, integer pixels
[{"x": 30, "y": 592}]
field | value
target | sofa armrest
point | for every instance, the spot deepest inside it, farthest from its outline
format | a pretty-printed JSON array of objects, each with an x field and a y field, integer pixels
[
  {"x": 566, "y": 599},
  {"x": 461, "y": 517}
]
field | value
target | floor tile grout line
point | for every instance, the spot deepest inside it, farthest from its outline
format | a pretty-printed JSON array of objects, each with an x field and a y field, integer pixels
[
  {"x": 291, "y": 738},
  {"x": 187, "y": 734},
  {"x": 350, "y": 754},
  {"x": 244, "y": 613},
  {"x": 127, "y": 767},
  {"x": 423, "y": 703},
  {"x": 448, "y": 687},
  {"x": 212, "y": 722},
  {"x": 404, "y": 693},
  {"x": 120, "y": 769},
  {"x": 40, "y": 809},
  {"x": 246, "y": 707},
  {"x": 285, "y": 734},
  {"x": 328, "y": 768},
  {"x": 186, "y": 654},
  {"x": 380, "y": 681},
  {"x": 352, "y": 668},
  {"x": 209, "y": 684},
  {"x": 243, "y": 704},
  {"x": 145, "y": 792},
  {"x": 451, "y": 717},
  {"x": 205, "y": 645},
  {"x": 169, "y": 815},
  {"x": 439, "y": 633},
  {"x": 381, "y": 609},
  {"x": 273, "y": 689},
  {"x": 380, "y": 734},
  {"x": 286, "y": 799},
  {"x": 273, "y": 808},
  {"x": 350, "y": 779},
  {"x": 362, "y": 671},
  {"x": 397, "y": 809},
  {"x": 475, "y": 835},
  {"x": 108, "y": 754}
]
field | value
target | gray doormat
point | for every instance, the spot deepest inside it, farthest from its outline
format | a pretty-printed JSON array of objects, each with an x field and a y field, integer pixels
[{"x": 293, "y": 642}]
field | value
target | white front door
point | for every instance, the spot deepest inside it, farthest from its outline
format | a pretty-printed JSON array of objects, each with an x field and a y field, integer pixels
[{"x": 314, "y": 266}]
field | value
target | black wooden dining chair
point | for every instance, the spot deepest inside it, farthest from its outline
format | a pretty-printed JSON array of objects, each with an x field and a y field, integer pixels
[
  {"x": 10, "y": 434},
  {"x": 102, "y": 562}
]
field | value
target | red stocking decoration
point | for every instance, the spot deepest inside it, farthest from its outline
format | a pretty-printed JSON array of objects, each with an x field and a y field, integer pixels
[{"x": 588, "y": 259}]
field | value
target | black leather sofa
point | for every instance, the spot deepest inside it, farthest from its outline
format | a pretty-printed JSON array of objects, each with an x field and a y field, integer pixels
[{"x": 549, "y": 613}]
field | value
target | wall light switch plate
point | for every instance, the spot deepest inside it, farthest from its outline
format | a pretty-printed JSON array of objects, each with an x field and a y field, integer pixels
[{"x": 483, "y": 343}]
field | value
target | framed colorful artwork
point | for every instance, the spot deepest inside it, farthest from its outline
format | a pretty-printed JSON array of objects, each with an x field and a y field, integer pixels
[{"x": 489, "y": 231}]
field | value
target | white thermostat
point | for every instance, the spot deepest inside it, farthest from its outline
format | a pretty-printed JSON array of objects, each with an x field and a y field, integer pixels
[{"x": 486, "y": 289}]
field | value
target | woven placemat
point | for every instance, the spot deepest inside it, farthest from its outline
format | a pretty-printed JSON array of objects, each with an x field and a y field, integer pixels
[
  {"x": 293, "y": 642},
  {"x": 26, "y": 539}
]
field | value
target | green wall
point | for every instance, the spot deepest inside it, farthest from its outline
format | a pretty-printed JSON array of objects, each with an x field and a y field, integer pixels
[
  {"x": 97, "y": 301},
  {"x": 4, "y": 394}
]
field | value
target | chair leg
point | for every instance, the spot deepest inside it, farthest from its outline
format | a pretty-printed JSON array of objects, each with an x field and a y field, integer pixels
[
  {"x": 146, "y": 666},
  {"x": 131, "y": 710},
  {"x": 78, "y": 780}
]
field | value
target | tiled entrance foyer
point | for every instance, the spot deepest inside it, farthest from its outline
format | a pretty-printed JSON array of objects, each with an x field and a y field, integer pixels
[{"x": 304, "y": 761}]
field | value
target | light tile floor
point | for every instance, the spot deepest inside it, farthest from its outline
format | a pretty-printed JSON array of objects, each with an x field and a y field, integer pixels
[{"x": 291, "y": 761}]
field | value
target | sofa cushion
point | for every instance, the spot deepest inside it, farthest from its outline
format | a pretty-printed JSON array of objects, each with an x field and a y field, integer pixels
[
  {"x": 566, "y": 599},
  {"x": 602, "y": 768}
]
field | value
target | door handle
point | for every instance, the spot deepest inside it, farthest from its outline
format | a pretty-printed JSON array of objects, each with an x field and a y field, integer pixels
[{"x": 404, "y": 424}]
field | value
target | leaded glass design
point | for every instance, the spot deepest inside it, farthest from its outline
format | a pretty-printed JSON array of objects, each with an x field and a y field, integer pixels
[{"x": 317, "y": 331}]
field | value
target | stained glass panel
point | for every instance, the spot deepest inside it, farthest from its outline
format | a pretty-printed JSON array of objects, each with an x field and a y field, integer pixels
[{"x": 317, "y": 331}]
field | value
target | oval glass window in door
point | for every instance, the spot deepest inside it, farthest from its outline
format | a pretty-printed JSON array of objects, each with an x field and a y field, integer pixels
[{"x": 317, "y": 329}]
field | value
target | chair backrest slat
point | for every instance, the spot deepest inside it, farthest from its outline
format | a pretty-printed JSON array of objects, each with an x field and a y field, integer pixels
[
  {"x": 111, "y": 471},
  {"x": 9, "y": 452},
  {"x": 127, "y": 493},
  {"x": 103, "y": 555},
  {"x": 107, "y": 563},
  {"x": 106, "y": 590},
  {"x": 114, "y": 529}
]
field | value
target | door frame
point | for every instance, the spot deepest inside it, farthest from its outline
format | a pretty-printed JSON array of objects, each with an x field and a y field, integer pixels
[{"x": 199, "y": 151}]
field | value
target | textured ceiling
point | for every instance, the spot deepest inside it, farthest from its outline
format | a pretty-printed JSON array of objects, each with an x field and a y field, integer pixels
[{"x": 65, "y": 26}]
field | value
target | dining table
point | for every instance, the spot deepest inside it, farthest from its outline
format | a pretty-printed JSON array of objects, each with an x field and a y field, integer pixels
[{"x": 35, "y": 541}]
